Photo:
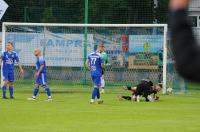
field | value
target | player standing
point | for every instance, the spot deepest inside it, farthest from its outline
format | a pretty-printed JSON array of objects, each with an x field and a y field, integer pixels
[
  {"x": 40, "y": 75},
  {"x": 105, "y": 61},
  {"x": 95, "y": 64},
  {"x": 8, "y": 58}
]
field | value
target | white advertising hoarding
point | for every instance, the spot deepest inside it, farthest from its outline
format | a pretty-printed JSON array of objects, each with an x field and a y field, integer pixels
[{"x": 58, "y": 49}]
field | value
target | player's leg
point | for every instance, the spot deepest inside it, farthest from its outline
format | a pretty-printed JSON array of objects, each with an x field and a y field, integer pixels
[
  {"x": 5, "y": 82},
  {"x": 129, "y": 88},
  {"x": 138, "y": 92},
  {"x": 98, "y": 84},
  {"x": 36, "y": 88},
  {"x": 11, "y": 89},
  {"x": 4, "y": 87},
  {"x": 35, "y": 92},
  {"x": 10, "y": 82},
  {"x": 48, "y": 91},
  {"x": 96, "y": 92},
  {"x": 102, "y": 84},
  {"x": 125, "y": 98},
  {"x": 146, "y": 93},
  {"x": 44, "y": 84}
]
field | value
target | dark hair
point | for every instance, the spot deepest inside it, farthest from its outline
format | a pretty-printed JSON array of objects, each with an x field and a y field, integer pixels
[
  {"x": 10, "y": 43},
  {"x": 101, "y": 44}
]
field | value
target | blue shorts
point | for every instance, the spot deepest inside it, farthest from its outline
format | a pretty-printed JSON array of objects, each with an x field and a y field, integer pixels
[
  {"x": 8, "y": 76},
  {"x": 41, "y": 79},
  {"x": 96, "y": 80}
]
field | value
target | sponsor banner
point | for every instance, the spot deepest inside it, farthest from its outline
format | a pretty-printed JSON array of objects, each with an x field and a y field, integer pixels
[
  {"x": 143, "y": 51},
  {"x": 58, "y": 49}
]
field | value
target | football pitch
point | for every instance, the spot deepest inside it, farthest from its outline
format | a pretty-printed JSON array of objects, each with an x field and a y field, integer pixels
[{"x": 70, "y": 111}]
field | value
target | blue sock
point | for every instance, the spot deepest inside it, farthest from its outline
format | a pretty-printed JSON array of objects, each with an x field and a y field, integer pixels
[
  {"x": 98, "y": 93},
  {"x": 35, "y": 92},
  {"x": 11, "y": 91},
  {"x": 94, "y": 93},
  {"x": 48, "y": 91},
  {"x": 4, "y": 91}
]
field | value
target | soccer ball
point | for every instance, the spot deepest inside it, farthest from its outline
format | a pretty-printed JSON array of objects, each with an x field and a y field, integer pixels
[{"x": 169, "y": 90}]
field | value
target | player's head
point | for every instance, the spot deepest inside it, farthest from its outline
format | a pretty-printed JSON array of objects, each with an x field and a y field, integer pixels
[
  {"x": 9, "y": 46},
  {"x": 37, "y": 52},
  {"x": 158, "y": 87},
  {"x": 100, "y": 47}
]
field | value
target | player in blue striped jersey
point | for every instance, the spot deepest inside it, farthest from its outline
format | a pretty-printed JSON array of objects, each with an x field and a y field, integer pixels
[
  {"x": 40, "y": 75},
  {"x": 9, "y": 57},
  {"x": 95, "y": 65}
]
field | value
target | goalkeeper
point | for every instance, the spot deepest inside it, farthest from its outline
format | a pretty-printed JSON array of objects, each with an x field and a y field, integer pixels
[
  {"x": 145, "y": 88},
  {"x": 105, "y": 61}
]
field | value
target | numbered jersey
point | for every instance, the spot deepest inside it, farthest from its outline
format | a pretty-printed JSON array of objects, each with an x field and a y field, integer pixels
[
  {"x": 9, "y": 59},
  {"x": 95, "y": 61}
]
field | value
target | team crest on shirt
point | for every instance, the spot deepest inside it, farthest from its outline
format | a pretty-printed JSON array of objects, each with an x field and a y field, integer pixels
[
  {"x": 9, "y": 61},
  {"x": 12, "y": 56}
]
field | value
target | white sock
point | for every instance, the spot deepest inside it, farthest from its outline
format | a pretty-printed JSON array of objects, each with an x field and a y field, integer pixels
[
  {"x": 150, "y": 98},
  {"x": 92, "y": 100},
  {"x": 138, "y": 98},
  {"x": 102, "y": 81},
  {"x": 133, "y": 97}
]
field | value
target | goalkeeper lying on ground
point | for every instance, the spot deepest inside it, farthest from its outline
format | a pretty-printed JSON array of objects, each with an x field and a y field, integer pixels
[{"x": 145, "y": 88}]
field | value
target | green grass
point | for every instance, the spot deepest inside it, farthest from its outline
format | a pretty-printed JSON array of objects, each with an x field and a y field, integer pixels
[{"x": 70, "y": 111}]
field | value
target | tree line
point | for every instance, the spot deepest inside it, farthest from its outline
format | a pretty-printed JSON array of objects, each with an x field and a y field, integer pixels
[{"x": 99, "y": 11}]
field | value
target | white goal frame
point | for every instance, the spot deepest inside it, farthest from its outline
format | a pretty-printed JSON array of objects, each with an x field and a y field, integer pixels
[{"x": 165, "y": 26}]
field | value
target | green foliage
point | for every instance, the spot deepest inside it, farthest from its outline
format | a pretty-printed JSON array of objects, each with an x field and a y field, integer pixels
[
  {"x": 72, "y": 11},
  {"x": 48, "y": 16}
]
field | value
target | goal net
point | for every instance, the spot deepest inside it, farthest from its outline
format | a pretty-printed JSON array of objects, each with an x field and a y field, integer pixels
[{"x": 135, "y": 51}]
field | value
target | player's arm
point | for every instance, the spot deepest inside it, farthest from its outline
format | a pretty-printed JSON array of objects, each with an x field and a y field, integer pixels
[
  {"x": 19, "y": 64},
  {"x": 102, "y": 63},
  {"x": 42, "y": 64},
  {"x": 87, "y": 64},
  {"x": 1, "y": 59},
  {"x": 39, "y": 71},
  {"x": 155, "y": 97},
  {"x": 106, "y": 59},
  {"x": 184, "y": 46},
  {"x": 20, "y": 67}
]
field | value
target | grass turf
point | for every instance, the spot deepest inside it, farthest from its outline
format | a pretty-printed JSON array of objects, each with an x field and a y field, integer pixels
[{"x": 70, "y": 111}]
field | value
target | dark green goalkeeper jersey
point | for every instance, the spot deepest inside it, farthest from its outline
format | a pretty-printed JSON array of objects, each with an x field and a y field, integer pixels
[{"x": 160, "y": 57}]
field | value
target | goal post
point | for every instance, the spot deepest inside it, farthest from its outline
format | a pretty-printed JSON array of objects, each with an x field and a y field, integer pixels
[{"x": 131, "y": 48}]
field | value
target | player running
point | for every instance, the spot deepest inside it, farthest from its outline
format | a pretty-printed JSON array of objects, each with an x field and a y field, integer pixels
[
  {"x": 94, "y": 63},
  {"x": 105, "y": 61},
  {"x": 40, "y": 75},
  {"x": 8, "y": 58}
]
